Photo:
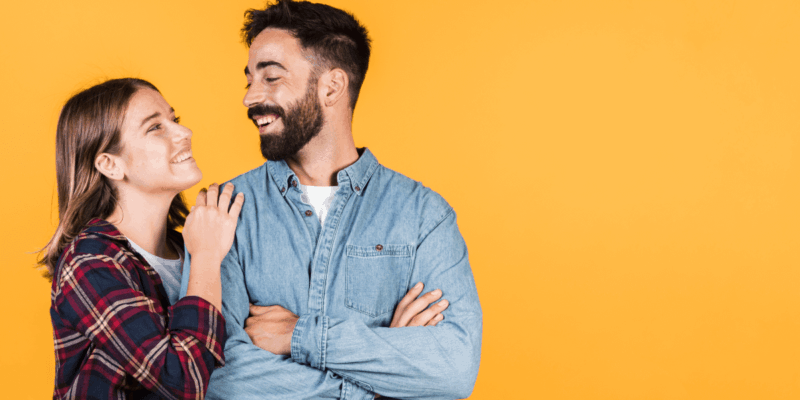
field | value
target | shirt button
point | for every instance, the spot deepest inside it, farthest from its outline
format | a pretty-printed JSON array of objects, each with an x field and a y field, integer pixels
[
  {"x": 358, "y": 188},
  {"x": 294, "y": 183},
  {"x": 309, "y": 213},
  {"x": 379, "y": 247},
  {"x": 283, "y": 189}
]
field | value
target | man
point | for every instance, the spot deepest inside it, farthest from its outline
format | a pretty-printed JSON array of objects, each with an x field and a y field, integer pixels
[{"x": 329, "y": 241}]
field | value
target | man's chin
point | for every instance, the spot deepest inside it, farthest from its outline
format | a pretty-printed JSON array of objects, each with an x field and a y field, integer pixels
[{"x": 275, "y": 151}]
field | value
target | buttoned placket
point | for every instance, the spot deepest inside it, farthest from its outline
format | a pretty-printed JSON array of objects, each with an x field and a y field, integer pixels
[{"x": 322, "y": 236}]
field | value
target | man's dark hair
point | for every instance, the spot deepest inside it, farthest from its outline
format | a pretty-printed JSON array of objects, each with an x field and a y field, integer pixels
[{"x": 334, "y": 36}]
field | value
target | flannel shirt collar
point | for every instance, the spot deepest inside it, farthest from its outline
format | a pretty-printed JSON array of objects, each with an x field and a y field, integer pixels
[{"x": 104, "y": 228}]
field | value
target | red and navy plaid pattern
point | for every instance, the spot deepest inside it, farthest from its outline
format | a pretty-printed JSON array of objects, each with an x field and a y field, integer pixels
[{"x": 116, "y": 336}]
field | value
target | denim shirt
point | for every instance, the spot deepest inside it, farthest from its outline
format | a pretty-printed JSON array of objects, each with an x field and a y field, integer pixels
[{"x": 383, "y": 234}]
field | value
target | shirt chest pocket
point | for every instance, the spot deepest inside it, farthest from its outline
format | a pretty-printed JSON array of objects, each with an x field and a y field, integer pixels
[{"x": 377, "y": 277}]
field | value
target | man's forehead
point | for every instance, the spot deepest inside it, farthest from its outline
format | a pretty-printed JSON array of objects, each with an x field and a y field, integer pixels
[{"x": 273, "y": 45}]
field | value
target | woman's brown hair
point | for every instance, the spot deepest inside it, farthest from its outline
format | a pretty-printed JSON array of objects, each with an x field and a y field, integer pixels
[{"x": 90, "y": 124}]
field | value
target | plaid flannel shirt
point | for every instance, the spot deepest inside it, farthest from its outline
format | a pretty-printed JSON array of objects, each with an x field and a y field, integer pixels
[{"x": 116, "y": 336}]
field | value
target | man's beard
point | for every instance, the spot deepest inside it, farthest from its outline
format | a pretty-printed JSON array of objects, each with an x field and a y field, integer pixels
[{"x": 301, "y": 123}]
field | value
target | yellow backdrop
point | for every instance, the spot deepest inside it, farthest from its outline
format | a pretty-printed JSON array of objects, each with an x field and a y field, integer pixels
[{"x": 625, "y": 172}]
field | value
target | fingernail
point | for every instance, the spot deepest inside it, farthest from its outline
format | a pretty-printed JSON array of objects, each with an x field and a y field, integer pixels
[
  {"x": 437, "y": 292},
  {"x": 418, "y": 285},
  {"x": 444, "y": 303},
  {"x": 438, "y": 317}
]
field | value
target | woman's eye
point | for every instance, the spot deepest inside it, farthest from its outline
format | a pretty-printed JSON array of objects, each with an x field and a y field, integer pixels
[
  {"x": 272, "y": 79},
  {"x": 154, "y": 127}
]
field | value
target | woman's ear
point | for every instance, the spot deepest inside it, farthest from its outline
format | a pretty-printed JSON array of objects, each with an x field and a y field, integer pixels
[
  {"x": 110, "y": 166},
  {"x": 333, "y": 87}
]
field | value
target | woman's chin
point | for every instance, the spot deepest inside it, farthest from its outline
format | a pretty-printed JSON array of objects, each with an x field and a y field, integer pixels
[{"x": 191, "y": 177}]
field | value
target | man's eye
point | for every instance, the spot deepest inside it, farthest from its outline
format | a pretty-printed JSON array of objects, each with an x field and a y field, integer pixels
[
  {"x": 177, "y": 120},
  {"x": 154, "y": 127},
  {"x": 272, "y": 79}
]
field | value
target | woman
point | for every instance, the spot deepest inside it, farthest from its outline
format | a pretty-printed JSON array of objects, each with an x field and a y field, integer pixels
[{"x": 122, "y": 160}]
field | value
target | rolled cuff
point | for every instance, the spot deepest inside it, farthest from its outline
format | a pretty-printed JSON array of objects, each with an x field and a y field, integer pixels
[
  {"x": 199, "y": 318},
  {"x": 351, "y": 391},
  {"x": 309, "y": 341}
]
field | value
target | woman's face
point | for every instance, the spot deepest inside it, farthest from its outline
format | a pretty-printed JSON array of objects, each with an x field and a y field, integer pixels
[{"x": 156, "y": 150}]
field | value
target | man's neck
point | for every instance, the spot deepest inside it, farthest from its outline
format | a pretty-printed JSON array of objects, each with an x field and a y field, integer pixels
[
  {"x": 142, "y": 218},
  {"x": 319, "y": 161}
]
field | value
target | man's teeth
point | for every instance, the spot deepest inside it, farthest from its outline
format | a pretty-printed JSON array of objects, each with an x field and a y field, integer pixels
[
  {"x": 182, "y": 157},
  {"x": 266, "y": 120}
]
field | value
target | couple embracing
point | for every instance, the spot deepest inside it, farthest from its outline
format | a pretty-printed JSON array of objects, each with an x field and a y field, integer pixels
[{"x": 320, "y": 274}]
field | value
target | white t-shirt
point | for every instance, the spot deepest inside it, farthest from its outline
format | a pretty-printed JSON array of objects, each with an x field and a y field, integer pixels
[
  {"x": 319, "y": 197},
  {"x": 168, "y": 270}
]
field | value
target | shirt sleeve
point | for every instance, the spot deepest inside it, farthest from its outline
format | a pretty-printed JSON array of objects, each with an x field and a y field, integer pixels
[
  {"x": 97, "y": 297},
  {"x": 253, "y": 373},
  {"x": 411, "y": 362}
]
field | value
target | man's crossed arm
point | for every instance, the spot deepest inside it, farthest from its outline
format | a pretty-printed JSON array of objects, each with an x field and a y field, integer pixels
[{"x": 271, "y": 327}]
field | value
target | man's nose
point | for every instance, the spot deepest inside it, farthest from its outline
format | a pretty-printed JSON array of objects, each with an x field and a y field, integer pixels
[{"x": 255, "y": 95}]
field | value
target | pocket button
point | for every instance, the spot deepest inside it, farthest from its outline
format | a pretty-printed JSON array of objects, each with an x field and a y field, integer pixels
[{"x": 379, "y": 247}]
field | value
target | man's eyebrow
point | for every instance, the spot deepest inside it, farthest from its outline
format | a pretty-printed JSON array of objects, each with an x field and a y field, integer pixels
[
  {"x": 156, "y": 115},
  {"x": 264, "y": 64}
]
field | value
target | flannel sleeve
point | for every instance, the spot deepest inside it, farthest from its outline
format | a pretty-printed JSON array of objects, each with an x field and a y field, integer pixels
[{"x": 174, "y": 359}]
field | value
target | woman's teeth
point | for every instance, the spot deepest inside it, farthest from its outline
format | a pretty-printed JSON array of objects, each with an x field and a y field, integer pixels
[{"x": 182, "y": 157}]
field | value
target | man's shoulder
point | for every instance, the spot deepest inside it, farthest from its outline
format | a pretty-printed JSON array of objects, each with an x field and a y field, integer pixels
[
  {"x": 423, "y": 200},
  {"x": 250, "y": 180}
]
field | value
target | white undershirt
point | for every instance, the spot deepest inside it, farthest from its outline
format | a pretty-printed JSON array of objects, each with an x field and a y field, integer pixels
[
  {"x": 319, "y": 197},
  {"x": 168, "y": 270}
]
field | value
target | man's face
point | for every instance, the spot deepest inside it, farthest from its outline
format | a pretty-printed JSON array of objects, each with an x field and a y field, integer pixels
[{"x": 281, "y": 96}]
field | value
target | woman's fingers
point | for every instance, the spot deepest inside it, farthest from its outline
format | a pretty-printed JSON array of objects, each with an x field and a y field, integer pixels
[
  {"x": 201, "y": 198},
  {"x": 211, "y": 196},
  {"x": 236, "y": 207},
  {"x": 225, "y": 198},
  {"x": 404, "y": 302}
]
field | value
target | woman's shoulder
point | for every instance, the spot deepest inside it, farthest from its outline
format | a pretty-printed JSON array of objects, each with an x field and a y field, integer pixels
[
  {"x": 98, "y": 245},
  {"x": 97, "y": 237}
]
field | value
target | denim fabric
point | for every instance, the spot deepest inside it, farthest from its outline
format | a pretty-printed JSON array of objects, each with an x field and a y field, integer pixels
[{"x": 383, "y": 234}]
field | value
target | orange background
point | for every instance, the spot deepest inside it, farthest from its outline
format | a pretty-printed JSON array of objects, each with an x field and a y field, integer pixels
[{"x": 625, "y": 172}]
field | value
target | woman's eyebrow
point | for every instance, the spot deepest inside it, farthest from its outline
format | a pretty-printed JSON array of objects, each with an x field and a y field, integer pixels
[{"x": 155, "y": 115}]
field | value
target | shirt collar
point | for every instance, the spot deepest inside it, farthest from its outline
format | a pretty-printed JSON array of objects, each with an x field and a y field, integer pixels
[
  {"x": 356, "y": 175},
  {"x": 104, "y": 228}
]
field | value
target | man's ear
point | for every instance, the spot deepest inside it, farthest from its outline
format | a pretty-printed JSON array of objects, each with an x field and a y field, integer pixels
[
  {"x": 333, "y": 87},
  {"x": 110, "y": 166}
]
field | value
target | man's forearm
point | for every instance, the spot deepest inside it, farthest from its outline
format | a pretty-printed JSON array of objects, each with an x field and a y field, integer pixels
[
  {"x": 411, "y": 362},
  {"x": 252, "y": 373}
]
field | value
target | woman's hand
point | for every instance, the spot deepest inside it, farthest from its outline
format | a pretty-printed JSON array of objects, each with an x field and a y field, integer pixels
[
  {"x": 210, "y": 226},
  {"x": 413, "y": 311}
]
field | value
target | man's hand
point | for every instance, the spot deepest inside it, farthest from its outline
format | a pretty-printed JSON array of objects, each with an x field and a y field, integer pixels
[
  {"x": 413, "y": 311},
  {"x": 270, "y": 328}
]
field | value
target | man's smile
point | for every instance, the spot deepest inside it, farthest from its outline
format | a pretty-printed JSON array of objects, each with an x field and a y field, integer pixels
[{"x": 263, "y": 121}]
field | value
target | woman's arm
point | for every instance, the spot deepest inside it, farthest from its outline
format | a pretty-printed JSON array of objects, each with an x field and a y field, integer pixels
[
  {"x": 97, "y": 296},
  {"x": 208, "y": 236}
]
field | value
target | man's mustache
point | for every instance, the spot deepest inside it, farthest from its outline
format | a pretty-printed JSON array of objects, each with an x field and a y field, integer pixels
[{"x": 265, "y": 109}]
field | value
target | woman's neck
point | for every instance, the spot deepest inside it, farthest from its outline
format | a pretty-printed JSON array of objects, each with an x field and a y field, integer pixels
[{"x": 142, "y": 218}]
